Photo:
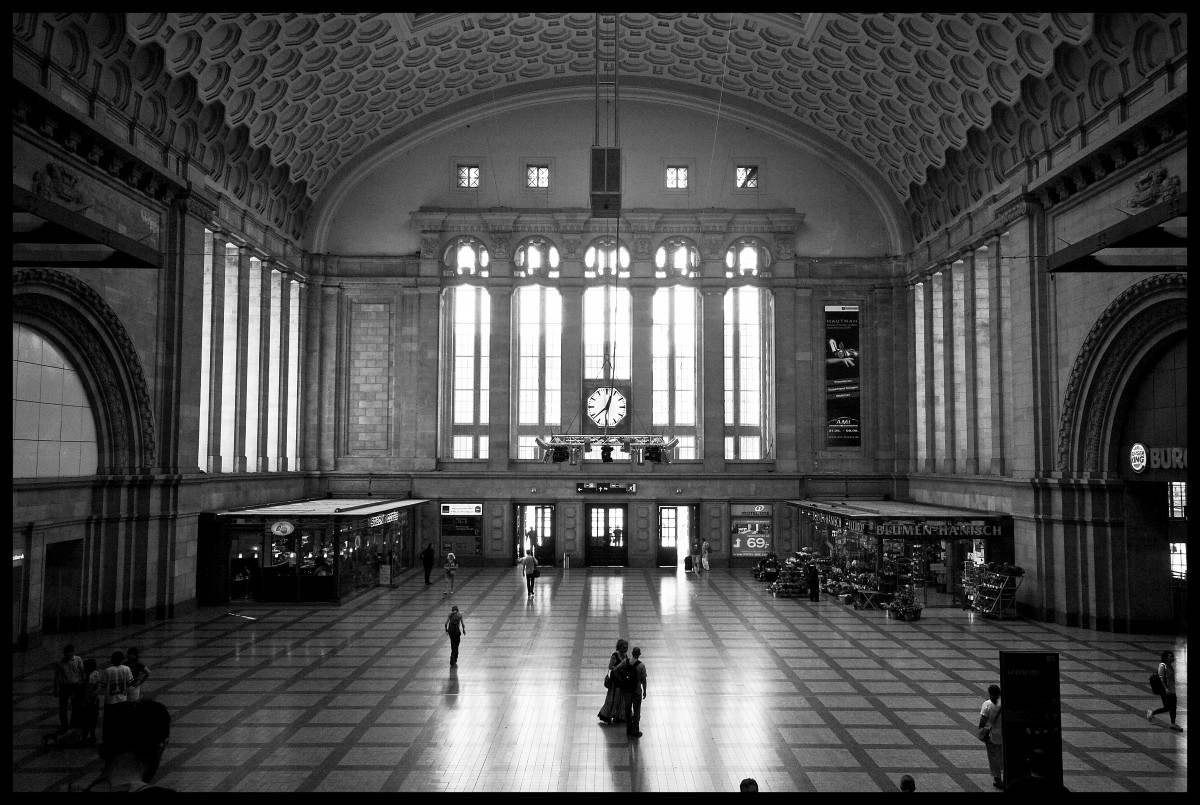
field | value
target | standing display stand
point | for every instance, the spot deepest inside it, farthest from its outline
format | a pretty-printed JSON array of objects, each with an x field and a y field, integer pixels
[
  {"x": 970, "y": 580},
  {"x": 996, "y": 594},
  {"x": 790, "y": 583}
]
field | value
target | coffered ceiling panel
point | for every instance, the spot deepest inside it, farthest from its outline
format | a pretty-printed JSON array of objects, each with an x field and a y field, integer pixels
[{"x": 899, "y": 90}]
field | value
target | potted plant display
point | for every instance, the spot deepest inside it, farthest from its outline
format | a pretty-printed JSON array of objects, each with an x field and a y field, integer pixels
[{"x": 904, "y": 606}]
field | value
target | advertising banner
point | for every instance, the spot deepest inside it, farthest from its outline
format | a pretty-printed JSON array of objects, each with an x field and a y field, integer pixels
[
  {"x": 751, "y": 527},
  {"x": 843, "y": 393}
]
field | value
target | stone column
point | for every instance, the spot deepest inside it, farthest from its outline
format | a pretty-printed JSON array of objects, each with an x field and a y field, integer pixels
[{"x": 712, "y": 398}]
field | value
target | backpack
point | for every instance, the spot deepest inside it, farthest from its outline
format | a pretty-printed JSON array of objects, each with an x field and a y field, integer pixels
[
  {"x": 625, "y": 676},
  {"x": 1156, "y": 684},
  {"x": 455, "y": 623}
]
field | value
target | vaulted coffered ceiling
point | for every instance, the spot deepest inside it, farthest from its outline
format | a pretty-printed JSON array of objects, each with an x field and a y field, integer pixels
[{"x": 319, "y": 91}]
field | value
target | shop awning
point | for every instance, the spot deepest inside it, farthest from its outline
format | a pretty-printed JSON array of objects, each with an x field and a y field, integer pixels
[
  {"x": 325, "y": 507},
  {"x": 901, "y": 519}
]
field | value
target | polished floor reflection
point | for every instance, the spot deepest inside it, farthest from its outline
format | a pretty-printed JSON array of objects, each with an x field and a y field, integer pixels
[{"x": 801, "y": 696}]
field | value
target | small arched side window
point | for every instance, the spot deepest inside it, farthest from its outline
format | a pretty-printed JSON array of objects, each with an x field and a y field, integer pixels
[
  {"x": 466, "y": 256},
  {"x": 606, "y": 257},
  {"x": 677, "y": 257},
  {"x": 536, "y": 257},
  {"x": 747, "y": 257}
]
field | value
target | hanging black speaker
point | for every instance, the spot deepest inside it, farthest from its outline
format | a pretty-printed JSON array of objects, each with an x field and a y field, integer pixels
[{"x": 606, "y": 182}]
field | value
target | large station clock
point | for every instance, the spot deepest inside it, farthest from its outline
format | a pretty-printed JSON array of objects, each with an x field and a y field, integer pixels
[{"x": 606, "y": 406}]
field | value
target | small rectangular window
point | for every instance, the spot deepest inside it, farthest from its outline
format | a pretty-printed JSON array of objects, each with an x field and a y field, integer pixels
[
  {"x": 468, "y": 176},
  {"x": 1179, "y": 560},
  {"x": 747, "y": 177},
  {"x": 537, "y": 177},
  {"x": 677, "y": 177}
]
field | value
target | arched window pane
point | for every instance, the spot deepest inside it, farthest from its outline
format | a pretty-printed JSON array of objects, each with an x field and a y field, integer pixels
[{"x": 54, "y": 428}]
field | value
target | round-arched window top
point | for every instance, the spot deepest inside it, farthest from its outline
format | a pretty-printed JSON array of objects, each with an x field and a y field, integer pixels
[
  {"x": 537, "y": 256},
  {"x": 603, "y": 256},
  {"x": 677, "y": 257},
  {"x": 747, "y": 257},
  {"x": 466, "y": 256}
]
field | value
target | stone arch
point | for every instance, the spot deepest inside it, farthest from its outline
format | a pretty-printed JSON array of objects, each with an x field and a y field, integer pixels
[
  {"x": 1134, "y": 328},
  {"x": 92, "y": 335}
]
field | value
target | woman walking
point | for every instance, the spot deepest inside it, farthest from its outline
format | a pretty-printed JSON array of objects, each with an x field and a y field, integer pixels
[
  {"x": 1166, "y": 672},
  {"x": 613, "y": 710},
  {"x": 451, "y": 568}
]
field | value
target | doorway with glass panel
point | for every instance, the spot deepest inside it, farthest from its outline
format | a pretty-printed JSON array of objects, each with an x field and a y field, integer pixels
[
  {"x": 535, "y": 531},
  {"x": 607, "y": 544},
  {"x": 674, "y": 535}
]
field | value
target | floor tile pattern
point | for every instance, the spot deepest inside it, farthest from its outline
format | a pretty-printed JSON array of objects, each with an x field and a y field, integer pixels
[{"x": 802, "y": 696}]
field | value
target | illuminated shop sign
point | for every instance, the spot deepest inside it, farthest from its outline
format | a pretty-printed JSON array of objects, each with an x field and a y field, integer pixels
[
  {"x": 1157, "y": 458},
  {"x": 935, "y": 529},
  {"x": 380, "y": 519}
]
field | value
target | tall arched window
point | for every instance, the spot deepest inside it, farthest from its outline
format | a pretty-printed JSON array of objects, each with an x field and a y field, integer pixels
[
  {"x": 467, "y": 310},
  {"x": 54, "y": 428},
  {"x": 674, "y": 349},
  {"x": 537, "y": 321},
  {"x": 749, "y": 401},
  {"x": 466, "y": 256},
  {"x": 747, "y": 257}
]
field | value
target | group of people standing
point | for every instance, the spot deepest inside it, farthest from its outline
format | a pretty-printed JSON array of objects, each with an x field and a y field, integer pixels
[
  {"x": 80, "y": 689},
  {"x": 699, "y": 556},
  {"x": 626, "y": 684}
]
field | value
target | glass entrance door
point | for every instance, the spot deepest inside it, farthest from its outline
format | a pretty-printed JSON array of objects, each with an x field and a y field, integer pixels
[
  {"x": 607, "y": 542},
  {"x": 535, "y": 530},
  {"x": 674, "y": 535}
]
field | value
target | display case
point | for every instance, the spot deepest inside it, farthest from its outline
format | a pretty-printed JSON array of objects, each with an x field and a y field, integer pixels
[
  {"x": 970, "y": 580},
  {"x": 996, "y": 594}
]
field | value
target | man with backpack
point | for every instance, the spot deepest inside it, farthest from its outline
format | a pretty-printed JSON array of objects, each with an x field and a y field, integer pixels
[{"x": 631, "y": 677}]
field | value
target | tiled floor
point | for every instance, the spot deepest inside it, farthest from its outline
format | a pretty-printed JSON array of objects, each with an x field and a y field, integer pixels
[{"x": 801, "y": 696}]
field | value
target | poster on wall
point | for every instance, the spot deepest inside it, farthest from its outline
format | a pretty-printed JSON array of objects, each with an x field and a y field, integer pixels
[
  {"x": 750, "y": 527},
  {"x": 843, "y": 393}
]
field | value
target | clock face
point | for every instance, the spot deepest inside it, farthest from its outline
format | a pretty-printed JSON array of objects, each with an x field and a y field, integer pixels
[{"x": 606, "y": 406}]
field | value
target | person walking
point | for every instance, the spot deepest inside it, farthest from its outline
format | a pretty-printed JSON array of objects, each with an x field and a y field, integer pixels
[
  {"x": 114, "y": 682},
  {"x": 814, "y": 582},
  {"x": 634, "y": 689},
  {"x": 451, "y": 569},
  {"x": 1166, "y": 672},
  {"x": 696, "y": 555},
  {"x": 140, "y": 674},
  {"x": 989, "y": 731},
  {"x": 705, "y": 550},
  {"x": 529, "y": 568},
  {"x": 613, "y": 709},
  {"x": 427, "y": 561},
  {"x": 456, "y": 627},
  {"x": 68, "y": 688}
]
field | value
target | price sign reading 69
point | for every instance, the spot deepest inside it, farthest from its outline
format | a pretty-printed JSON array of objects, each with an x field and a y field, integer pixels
[{"x": 750, "y": 525}]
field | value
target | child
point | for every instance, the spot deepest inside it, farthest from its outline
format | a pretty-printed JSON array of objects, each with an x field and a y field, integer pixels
[
  {"x": 91, "y": 704},
  {"x": 140, "y": 674}
]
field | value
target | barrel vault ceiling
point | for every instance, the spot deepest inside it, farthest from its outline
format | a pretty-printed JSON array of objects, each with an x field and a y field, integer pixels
[{"x": 321, "y": 90}]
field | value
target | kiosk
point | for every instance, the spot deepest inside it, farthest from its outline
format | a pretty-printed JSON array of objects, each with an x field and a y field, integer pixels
[{"x": 321, "y": 550}]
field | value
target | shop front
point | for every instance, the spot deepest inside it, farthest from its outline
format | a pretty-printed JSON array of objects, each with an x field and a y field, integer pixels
[
  {"x": 322, "y": 550},
  {"x": 886, "y": 546}
]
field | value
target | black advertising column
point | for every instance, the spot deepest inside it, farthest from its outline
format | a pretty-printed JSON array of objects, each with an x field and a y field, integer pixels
[{"x": 1032, "y": 716}]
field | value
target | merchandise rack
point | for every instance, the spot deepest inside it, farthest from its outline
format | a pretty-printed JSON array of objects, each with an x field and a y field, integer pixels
[{"x": 996, "y": 594}]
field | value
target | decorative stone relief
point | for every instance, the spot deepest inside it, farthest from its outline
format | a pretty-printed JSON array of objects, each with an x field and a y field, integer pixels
[
  {"x": 58, "y": 184},
  {"x": 1151, "y": 187}
]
